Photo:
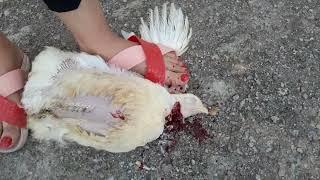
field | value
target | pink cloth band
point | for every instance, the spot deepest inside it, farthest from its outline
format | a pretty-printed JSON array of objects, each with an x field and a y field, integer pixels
[
  {"x": 133, "y": 56},
  {"x": 11, "y": 82}
]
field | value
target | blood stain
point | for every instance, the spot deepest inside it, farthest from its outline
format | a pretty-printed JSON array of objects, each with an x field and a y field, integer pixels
[{"x": 175, "y": 123}]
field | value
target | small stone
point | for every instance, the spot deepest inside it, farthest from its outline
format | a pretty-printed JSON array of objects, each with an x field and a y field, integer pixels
[
  {"x": 193, "y": 162},
  {"x": 252, "y": 139},
  {"x": 138, "y": 163},
  {"x": 313, "y": 136},
  {"x": 305, "y": 96},
  {"x": 300, "y": 150},
  {"x": 295, "y": 132},
  {"x": 166, "y": 168},
  {"x": 275, "y": 119},
  {"x": 258, "y": 81},
  {"x": 213, "y": 110},
  {"x": 215, "y": 57},
  {"x": 110, "y": 178},
  {"x": 282, "y": 171},
  {"x": 239, "y": 151},
  {"x": 251, "y": 144},
  {"x": 6, "y": 12},
  {"x": 269, "y": 149},
  {"x": 269, "y": 146},
  {"x": 56, "y": 37},
  {"x": 242, "y": 103},
  {"x": 283, "y": 91},
  {"x": 258, "y": 177},
  {"x": 236, "y": 97},
  {"x": 121, "y": 163}
]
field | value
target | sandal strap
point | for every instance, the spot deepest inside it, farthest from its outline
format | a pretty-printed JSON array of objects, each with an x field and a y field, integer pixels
[
  {"x": 12, "y": 82},
  {"x": 128, "y": 58},
  {"x": 156, "y": 70},
  {"x": 12, "y": 114},
  {"x": 146, "y": 51},
  {"x": 134, "y": 55}
]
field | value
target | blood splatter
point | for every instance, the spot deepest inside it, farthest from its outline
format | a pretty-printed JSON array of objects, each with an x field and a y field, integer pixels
[
  {"x": 197, "y": 131},
  {"x": 118, "y": 115},
  {"x": 175, "y": 123}
]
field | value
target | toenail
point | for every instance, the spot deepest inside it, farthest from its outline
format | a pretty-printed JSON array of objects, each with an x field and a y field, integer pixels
[
  {"x": 184, "y": 77},
  {"x": 5, "y": 142}
]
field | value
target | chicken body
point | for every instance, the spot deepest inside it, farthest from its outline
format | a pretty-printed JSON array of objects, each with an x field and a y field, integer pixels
[{"x": 99, "y": 106}]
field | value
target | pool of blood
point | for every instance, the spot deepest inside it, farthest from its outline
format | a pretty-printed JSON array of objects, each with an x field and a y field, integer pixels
[{"x": 175, "y": 123}]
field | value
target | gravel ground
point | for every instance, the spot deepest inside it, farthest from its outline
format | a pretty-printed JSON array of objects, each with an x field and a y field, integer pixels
[{"x": 257, "y": 60}]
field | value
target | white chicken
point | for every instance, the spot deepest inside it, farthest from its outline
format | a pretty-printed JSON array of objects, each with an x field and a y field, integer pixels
[{"x": 78, "y": 97}]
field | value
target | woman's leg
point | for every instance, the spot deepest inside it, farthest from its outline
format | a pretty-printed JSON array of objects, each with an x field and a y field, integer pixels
[
  {"x": 93, "y": 35},
  {"x": 10, "y": 59}
]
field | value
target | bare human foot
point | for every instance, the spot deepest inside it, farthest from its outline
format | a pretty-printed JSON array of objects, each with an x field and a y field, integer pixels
[
  {"x": 89, "y": 28},
  {"x": 10, "y": 59}
]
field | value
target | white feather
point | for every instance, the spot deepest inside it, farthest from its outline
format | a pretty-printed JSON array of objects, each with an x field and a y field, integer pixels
[{"x": 170, "y": 29}]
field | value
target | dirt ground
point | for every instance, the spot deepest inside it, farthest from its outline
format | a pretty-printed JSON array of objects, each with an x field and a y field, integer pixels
[{"x": 257, "y": 60}]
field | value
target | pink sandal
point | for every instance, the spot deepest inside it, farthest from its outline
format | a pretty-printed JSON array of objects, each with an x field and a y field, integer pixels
[
  {"x": 146, "y": 51},
  {"x": 11, "y": 112}
]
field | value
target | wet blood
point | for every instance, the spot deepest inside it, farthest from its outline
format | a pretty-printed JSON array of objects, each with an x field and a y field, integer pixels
[
  {"x": 118, "y": 115},
  {"x": 197, "y": 130},
  {"x": 175, "y": 123}
]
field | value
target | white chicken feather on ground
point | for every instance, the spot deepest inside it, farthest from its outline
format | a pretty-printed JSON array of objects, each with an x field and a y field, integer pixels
[{"x": 99, "y": 106}]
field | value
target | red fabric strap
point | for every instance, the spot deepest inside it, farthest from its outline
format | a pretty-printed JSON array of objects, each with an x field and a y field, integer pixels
[
  {"x": 12, "y": 114},
  {"x": 156, "y": 70}
]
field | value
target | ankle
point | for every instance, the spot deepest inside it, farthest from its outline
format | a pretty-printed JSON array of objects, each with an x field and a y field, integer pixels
[
  {"x": 106, "y": 46},
  {"x": 10, "y": 59}
]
